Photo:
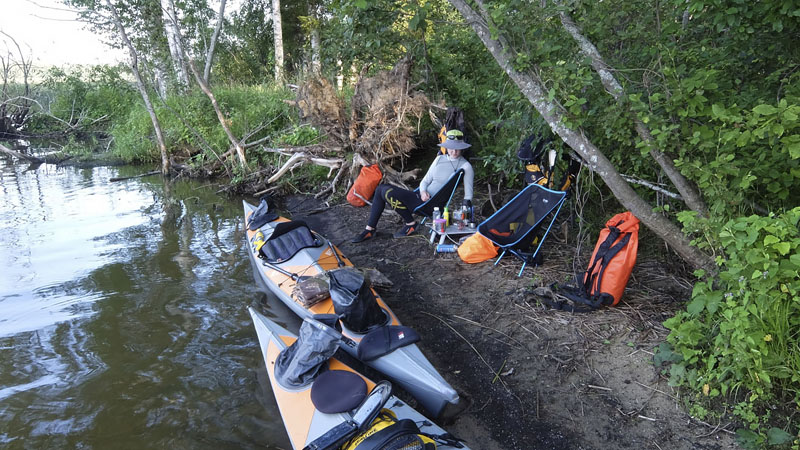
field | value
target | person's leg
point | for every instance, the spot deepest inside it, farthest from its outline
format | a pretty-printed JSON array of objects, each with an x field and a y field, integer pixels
[
  {"x": 401, "y": 200},
  {"x": 375, "y": 211},
  {"x": 378, "y": 205},
  {"x": 404, "y": 201}
]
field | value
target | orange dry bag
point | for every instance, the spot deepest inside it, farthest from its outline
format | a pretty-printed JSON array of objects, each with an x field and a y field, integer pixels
[
  {"x": 477, "y": 248},
  {"x": 613, "y": 259},
  {"x": 365, "y": 185},
  {"x": 610, "y": 267}
]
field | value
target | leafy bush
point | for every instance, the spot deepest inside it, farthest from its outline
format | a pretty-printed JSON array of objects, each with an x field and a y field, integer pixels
[
  {"x": 90, "y": 99},
  {"x": 190, "y": 125},
  {"x": 739, "y": 334}
]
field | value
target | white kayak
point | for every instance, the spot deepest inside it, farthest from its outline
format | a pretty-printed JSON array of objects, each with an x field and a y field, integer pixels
[
  {"x": 309, "y": 428},
  {"x": 406, "y": 366}
]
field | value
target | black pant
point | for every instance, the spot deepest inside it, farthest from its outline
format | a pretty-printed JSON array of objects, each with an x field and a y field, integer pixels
[{"x": 401, "y": 200}]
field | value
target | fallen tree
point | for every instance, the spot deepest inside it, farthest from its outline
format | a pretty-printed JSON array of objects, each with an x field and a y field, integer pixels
[{"x": 378, "y": 129}]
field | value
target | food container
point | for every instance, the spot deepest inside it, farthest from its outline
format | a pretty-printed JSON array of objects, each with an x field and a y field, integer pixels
[{"x": 439, "y": 225}]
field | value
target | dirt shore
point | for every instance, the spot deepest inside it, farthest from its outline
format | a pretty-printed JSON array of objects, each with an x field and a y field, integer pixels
[{"x": 530, "y": 377}]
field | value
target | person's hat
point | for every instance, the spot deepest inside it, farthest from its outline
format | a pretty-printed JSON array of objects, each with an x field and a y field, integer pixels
[{"x": 455, "y": 141}]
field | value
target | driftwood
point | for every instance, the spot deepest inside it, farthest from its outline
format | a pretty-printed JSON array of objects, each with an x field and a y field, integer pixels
[
  {"x": 19, "y": 155},
  {"x": 154, "y": 172}
]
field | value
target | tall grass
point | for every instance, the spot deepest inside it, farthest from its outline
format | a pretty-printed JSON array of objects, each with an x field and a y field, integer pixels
[{"x": 191, "y": 127}]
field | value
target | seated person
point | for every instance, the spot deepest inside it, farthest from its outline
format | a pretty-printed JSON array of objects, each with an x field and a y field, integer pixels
[{"x": 404, "y": 201}]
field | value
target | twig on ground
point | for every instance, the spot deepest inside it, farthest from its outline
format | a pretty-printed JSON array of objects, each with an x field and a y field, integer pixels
[{"x": 602, "y": 388}]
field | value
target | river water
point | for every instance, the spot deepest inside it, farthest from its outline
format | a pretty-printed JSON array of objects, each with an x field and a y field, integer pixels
[{"x": 123, "y": 320}]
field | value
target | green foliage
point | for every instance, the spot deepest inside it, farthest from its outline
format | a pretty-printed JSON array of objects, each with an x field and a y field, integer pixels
[
  {"x": 191, "y": 127},
  {"x": 90, "y": 99},
  {"x": 738, "y": 335}
]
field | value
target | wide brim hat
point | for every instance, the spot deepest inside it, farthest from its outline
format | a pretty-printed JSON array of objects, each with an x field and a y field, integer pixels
[{"x": 455, "y": 141}]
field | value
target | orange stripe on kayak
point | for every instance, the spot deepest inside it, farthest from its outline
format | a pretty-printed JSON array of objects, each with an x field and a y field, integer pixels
[{"x": 296, "y": 407}]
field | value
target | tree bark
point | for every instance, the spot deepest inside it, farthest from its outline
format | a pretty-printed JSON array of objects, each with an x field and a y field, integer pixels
[
  {"x": 691, "y": 196},
  {"x": 213, "y": 43},
  {"x": 316, "y": 61},
  {"x": 533, "y": 89},
  {"x": 142, "y": 88},
  {"x": 170, "y": 18},
  {"x": 278, "y": 36},
  {"x": 29, "y": 158}
]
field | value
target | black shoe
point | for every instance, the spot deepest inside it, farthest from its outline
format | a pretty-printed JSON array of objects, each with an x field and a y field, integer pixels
[
  {"x": 407, "y": 230},
  {"x": 366, "y": 234}
]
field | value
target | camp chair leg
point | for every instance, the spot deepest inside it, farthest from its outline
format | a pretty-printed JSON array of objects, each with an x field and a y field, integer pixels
[
  {"x": 500, "y": 257},
  {"x": 523, "y": 268}
]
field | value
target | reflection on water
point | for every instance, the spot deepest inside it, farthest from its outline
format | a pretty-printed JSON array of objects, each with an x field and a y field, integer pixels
[{"x": 123, "y": 318}]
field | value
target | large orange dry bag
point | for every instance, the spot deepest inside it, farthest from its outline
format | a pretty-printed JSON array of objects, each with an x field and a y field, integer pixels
[
  {"x": 609, "y": 268},
  {"x": 613, "y": 259},
  {"x": 477, "y": 248},
  {"x": 365, "y": 185}
]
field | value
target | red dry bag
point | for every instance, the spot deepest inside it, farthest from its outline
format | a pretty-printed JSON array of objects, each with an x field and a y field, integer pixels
[{"x": 367, "y": 181}]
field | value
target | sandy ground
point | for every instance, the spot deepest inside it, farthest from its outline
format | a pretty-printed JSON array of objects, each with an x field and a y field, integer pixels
[{"x": 530, "y": 377}]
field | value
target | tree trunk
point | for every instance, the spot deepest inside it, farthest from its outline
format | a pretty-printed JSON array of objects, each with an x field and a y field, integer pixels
[
  {"x": 170, "y": 17},
  {"x": 533, "y": 89},
  {"x": 213, "y": 43},
  {"x": 142, "y": 88},
  {"x": 316, "y": 64},
  {"x": 689, "y": 193},
  {"x": 278, "y": 33},
  {"x": 223, "y": 121}
]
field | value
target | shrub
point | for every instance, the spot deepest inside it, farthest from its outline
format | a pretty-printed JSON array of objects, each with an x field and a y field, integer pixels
[
  {"x": 739, "y": 334},
  {"x": 190, "y": 125}
]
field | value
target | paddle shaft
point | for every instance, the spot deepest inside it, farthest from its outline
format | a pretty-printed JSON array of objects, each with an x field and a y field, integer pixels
[
  {"x": 291, "y": 275},
  {"x": 336, "y": 255}
]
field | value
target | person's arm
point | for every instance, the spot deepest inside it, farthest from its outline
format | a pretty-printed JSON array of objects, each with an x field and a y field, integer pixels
[
  {"x": 469, "y": 178},
  {"x": 426, "y": 180}
]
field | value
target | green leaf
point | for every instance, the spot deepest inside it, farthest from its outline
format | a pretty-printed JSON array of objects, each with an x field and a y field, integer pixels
[
  {"x": 765, "y": 109},
  {"x": 776, "y": 436},
  {"x": 696, "y": 306},
  {"x": 361, "y": 4},
  {"x": 794, "y": 150},
  {"x": 783, "y": 248},
  {"x": 770, "y": 239}
]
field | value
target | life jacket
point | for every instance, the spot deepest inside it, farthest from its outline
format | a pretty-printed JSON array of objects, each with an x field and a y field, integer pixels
[
  {"x": 538, "y": 170},
  {"x": 609, "y": 268},
  {"x": 388, "y": 433},
  {"x": 368, "y": 180}
]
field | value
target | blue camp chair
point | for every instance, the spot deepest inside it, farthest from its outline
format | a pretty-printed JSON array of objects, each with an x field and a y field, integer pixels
[
  {"x": 441, "y": 198},
  {"x": 516, "y": 226}
]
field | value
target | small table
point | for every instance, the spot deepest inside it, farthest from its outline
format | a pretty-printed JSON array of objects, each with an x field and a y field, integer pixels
[{"x": 452, "y": 230}]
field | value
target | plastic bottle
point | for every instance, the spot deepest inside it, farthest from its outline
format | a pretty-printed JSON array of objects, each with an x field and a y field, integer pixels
[
  {"x": 437, "y": 214},
  {"x": 446, "y": 217},
  {"x": 446, "y": 248}
]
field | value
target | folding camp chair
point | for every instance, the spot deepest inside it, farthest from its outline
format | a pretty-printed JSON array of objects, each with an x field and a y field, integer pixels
[
  {"x": 514, "y": 227},
  {"x": 441, "y": 198}
]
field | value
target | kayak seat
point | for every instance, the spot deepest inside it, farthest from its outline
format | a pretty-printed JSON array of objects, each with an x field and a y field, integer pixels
[
  {"x": 385, "y": 340},
  {"x": 338, "y": 391},
  {"x": 286, "y": 239}
]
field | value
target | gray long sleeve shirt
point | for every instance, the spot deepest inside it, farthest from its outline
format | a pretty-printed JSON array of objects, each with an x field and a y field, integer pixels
[{"x": 441, "y": 170}]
